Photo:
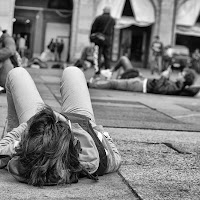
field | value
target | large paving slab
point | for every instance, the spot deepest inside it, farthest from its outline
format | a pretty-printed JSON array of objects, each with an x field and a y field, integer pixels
[
  {"x": 108, "y": 187},
  {"x": 157, "y": 164},
  {"x": 153, "y": 169}
]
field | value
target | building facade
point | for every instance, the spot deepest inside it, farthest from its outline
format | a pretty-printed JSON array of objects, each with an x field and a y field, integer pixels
[{"x": 137, "y": 22}]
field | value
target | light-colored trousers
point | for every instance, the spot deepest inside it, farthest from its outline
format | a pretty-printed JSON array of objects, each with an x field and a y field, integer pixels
[{"x": 24, "y": 99}]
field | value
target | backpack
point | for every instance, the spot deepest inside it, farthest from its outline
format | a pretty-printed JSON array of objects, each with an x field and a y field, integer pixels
[{"x": 84, "y": 122}]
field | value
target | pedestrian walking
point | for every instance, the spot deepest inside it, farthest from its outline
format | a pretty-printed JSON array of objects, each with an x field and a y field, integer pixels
[
  {"x": 157, "y": 51},
  {"x": 101, "y": 34}
]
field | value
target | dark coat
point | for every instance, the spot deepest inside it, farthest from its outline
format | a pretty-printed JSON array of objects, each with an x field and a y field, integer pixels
[
  {"x": 104, "y": 24},
  {"x": 164, "y": 85},
  {"x": 7, "y": 49}
]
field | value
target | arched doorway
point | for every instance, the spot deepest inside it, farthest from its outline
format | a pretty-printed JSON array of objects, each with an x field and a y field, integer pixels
[{"x": 34, "y": 18}]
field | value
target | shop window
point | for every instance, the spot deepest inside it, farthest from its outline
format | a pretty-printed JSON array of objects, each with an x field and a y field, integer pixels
[{"x": 60, "y": 4}]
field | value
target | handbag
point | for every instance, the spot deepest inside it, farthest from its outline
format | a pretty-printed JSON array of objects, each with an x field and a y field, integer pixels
[{"x": 99, "y": 38}]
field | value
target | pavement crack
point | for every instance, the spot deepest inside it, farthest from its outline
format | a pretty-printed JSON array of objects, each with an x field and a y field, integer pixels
[
  {"x": 129, "y": 186},
  {"x": 169, "y": 145},
  {"x": 174, "y": 148}
]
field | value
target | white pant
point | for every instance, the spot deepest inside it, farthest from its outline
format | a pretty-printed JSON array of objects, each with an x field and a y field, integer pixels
[{"x": 24, "y": 99}]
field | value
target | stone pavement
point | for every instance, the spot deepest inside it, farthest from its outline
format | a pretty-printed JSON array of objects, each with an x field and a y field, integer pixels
[{"x": 157, "y": 164}]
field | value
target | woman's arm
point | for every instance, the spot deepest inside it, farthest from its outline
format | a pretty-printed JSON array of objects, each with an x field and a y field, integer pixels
[{"x": 11, "y": 140}]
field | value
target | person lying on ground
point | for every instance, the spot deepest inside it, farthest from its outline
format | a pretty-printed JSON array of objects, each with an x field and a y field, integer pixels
[
  {"x": 162, "y": 85},
  {"x": 125, "y": 69},
  {"x": 44, "y": 147}
]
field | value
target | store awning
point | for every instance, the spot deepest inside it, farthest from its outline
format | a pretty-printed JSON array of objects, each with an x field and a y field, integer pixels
[
  {"x": 187, "y": 12},
  {"x": 143, "y": 10},
  {"x": 189, "y": 30},
  {"x": 125, "y": 22}
]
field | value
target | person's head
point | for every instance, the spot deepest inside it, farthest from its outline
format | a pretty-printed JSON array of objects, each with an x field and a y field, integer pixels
[
  {"x": 157, "y": 38},
  {"x": 49, "y": 151},
  {"x": 188, "y": 76},
  {"x": 106, "y": 10}
]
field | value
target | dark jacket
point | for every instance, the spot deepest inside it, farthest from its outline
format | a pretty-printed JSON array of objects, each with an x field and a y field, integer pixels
[
  {"x": 164, "y": 85},
  {"x": 104, "y": 24}
]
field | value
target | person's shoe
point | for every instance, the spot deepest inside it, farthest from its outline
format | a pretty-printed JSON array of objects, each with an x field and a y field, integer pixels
[
  {"x": 93, "y": 80},
  {"x": 106, "y": 73}
]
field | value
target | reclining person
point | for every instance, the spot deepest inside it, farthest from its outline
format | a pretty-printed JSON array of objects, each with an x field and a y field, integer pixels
[
  {"x": 48, "y": 148},
  {"x": 124, "y": 67},
  {"x": 163, "y": 85}
]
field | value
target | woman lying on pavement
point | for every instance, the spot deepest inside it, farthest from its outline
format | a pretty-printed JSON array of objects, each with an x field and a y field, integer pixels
[
  {"x": 124, "y": 67},
  {"x": 163, "y": 85},
  {"x": 44, "y": 147}
]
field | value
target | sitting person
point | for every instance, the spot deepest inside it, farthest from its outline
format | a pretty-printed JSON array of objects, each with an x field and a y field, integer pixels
[
  {"x": 44, "y": 147},
  {"x": 124, "y": 67},
  {"x": 163, "y": 85},
  {"x": 87, "y": 58},
  {"x": 41, "y": 61}
]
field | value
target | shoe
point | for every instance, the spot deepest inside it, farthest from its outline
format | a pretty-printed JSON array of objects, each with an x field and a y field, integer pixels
[{"x": 106, "y": 73}]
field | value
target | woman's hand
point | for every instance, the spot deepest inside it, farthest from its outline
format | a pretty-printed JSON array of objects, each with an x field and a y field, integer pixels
[{"x": 59, "y": 117}]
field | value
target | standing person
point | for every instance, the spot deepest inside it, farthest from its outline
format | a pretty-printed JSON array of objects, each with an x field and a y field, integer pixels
[
  {"x": 17, "y": 41},
  {"x": 48, "y": 148},
  {"x": 104, "y": 24},
  {"x": 51, "y": 45},
  {"x": 60, "y": 48},
  {"x": 7, "y": 50},
  {"x": 157, "y": 51},
  {"x": 22, "y": 46},
  {"x": 196, "y": 60}
]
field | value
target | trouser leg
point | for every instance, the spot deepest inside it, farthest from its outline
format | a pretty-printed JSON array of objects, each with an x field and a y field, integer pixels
[
  {"x": 126, "y": 63},
  {"x": 75, "y": 94},
  {"x": 133, "y": 84},
  {"x": 106, "y": 54},
  {"x": 160, "y": 63},
  {"x": 100, "y": 52},
  {"x": 23, "y": 97}
]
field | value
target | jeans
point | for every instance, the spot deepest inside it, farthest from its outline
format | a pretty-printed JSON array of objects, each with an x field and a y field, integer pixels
[
  {"x": 24, "y": 99},
  {"x": 132, "y": 84},
  {"x": 105, "y": 51}
]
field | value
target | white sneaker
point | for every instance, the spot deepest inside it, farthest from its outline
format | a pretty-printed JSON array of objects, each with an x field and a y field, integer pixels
[{"x": 106, "y": 73}]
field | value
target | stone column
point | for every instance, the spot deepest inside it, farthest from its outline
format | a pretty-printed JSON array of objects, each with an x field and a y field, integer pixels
[
  {"x": 83, "y": 16},
  {"x": 167, "y": 21},
  {"x": 6, "y": 14}
]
